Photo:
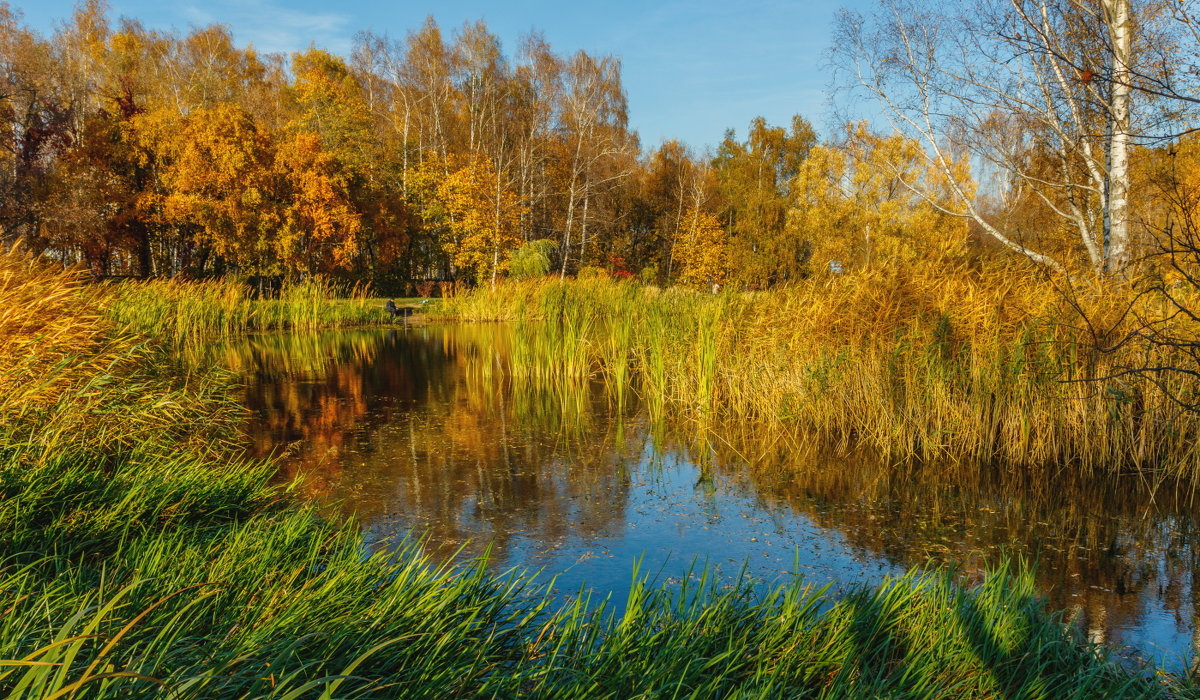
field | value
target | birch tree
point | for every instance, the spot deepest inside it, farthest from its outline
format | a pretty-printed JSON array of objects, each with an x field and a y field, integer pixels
[
  {"x": 594, "y": 116},
  {"x": 1039, "y": 94}
]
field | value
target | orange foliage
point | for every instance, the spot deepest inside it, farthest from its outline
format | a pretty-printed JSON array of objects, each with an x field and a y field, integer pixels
[
  {"x": 219, "y": 181},
  {"x": 319, "y": 227}
]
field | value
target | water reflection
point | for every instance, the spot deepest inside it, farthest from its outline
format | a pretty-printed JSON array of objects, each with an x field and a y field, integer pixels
[{"x": 425, "y": 430}]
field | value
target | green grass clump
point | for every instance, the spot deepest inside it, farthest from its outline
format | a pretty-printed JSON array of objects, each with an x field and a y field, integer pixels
[
  {"x": 280, "y": 609},
  {"x": 141, "y": 557},
  {"x": 921, "y": 635},
  {"x": 176, "y": 310}
]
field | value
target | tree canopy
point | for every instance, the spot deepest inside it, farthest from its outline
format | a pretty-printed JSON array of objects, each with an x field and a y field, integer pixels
[{"x": 1035, "y": 128}]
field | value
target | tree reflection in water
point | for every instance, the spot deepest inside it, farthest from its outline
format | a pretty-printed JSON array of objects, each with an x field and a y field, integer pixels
[{"x": 426, "y": 430}]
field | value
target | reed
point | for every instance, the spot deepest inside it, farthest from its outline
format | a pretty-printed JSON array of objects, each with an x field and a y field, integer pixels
[
  {"x": 177, "y": 311},
  {"x": 139, "y": 560},
  {"x": 953, "y": 364}
]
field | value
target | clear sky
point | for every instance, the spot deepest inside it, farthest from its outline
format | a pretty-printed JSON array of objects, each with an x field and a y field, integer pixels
[{"x": 691, "y": 68}]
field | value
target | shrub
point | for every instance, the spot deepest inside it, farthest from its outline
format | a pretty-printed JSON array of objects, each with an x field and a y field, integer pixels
[{"x": 533, "y": 259}]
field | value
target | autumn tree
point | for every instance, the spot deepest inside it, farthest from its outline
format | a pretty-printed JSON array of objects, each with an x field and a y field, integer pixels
[
  {"x": 854, "y": 204},
  {"x": 319, "y": 228},
  {"x": 330, "y": 113},
  {"x": 596, "y": 145},
  {"x": 205, "y": 68},
  {"x": 1018, "y": 85},
  {"x": 220, "y": 186},
  {"x": 483, "y": 219},
  {"x": 537, "y": 84},
  {"x": 700, "y": 250},
  {"x": 667, "y": 184},
  {"x": 754, "y": 177},
  {"x": 128, "y": 77},
  {"x": 35, "y": 116}
]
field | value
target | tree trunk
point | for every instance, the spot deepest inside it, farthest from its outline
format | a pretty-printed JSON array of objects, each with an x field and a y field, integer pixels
[
  {"x": 496, "y": 230},
  {"x": 144, "y": 254},
  {"x": 1116, "y": 243},
  {"x": 583, "y": 222},
  {"x": 566, "y": 249}
]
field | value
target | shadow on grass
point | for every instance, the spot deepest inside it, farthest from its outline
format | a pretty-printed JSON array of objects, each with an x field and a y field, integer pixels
[{"x": 926, "y": 636}]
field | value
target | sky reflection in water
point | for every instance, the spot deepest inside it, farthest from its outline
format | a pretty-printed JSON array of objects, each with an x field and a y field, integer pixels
[{"x": 425, "y": 431}]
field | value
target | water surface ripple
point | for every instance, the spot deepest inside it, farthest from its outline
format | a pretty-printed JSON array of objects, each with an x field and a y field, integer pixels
[{"x": 427, "y": 431}]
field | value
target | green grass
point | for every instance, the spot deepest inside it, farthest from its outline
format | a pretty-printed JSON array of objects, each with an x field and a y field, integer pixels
[
  {"x": 178, "y": 311},
  {"x": 142, "y": 557},
  {"x": 273, "y": 606}
]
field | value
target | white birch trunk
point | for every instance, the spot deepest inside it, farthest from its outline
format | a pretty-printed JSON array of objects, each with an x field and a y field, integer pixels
[{"x": 1116, "y": 254}]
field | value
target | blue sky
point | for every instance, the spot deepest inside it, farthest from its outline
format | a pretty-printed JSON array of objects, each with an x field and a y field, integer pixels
[{"x": 691, "y": 68}]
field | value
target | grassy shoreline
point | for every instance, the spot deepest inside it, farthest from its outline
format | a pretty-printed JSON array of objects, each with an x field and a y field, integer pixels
[
  {"x": 177, "y": 311},
  {"x": 142, "y": 556},
  {"x": 961, "y": 365}
]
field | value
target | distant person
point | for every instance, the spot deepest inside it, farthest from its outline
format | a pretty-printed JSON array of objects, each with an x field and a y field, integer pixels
[{"x": 391, "y": 308}]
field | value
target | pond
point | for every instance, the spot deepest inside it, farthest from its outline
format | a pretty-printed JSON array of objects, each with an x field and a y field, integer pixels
[{"x": 424, "y": 432}]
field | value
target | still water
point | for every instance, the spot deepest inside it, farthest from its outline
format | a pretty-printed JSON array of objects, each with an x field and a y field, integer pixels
[{"x": 425, "y": 432}]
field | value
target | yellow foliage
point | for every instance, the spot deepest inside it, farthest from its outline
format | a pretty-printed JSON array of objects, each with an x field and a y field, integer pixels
[
  {"x": 700, "y": 250},
  {"x": 1169, "y": 212},
  {"x": 330, "y": 104},
  {"x": 483, "y": 218},
  {"x": 874, "y": 200}
]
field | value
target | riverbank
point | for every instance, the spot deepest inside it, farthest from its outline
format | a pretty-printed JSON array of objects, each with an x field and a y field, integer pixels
[
  {"x": 144, "y": 556},
  {"x": 180, "y": 311},
  {"x": 994, "y": 366}
]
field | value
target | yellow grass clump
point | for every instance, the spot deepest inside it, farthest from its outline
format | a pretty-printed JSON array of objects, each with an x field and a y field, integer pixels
[
  {"x": 997, "y": 365},
  {"x": 68, "y": 377}
]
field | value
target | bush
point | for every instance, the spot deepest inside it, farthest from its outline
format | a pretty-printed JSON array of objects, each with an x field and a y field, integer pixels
[
  {"x": 591, "y": 272},
  {"x": 532, "y": 259}
]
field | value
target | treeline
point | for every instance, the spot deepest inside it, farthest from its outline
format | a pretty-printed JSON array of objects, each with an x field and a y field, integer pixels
[
  {"x": 140, "y": 152},
  {"x": 149, "y": 153}
]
